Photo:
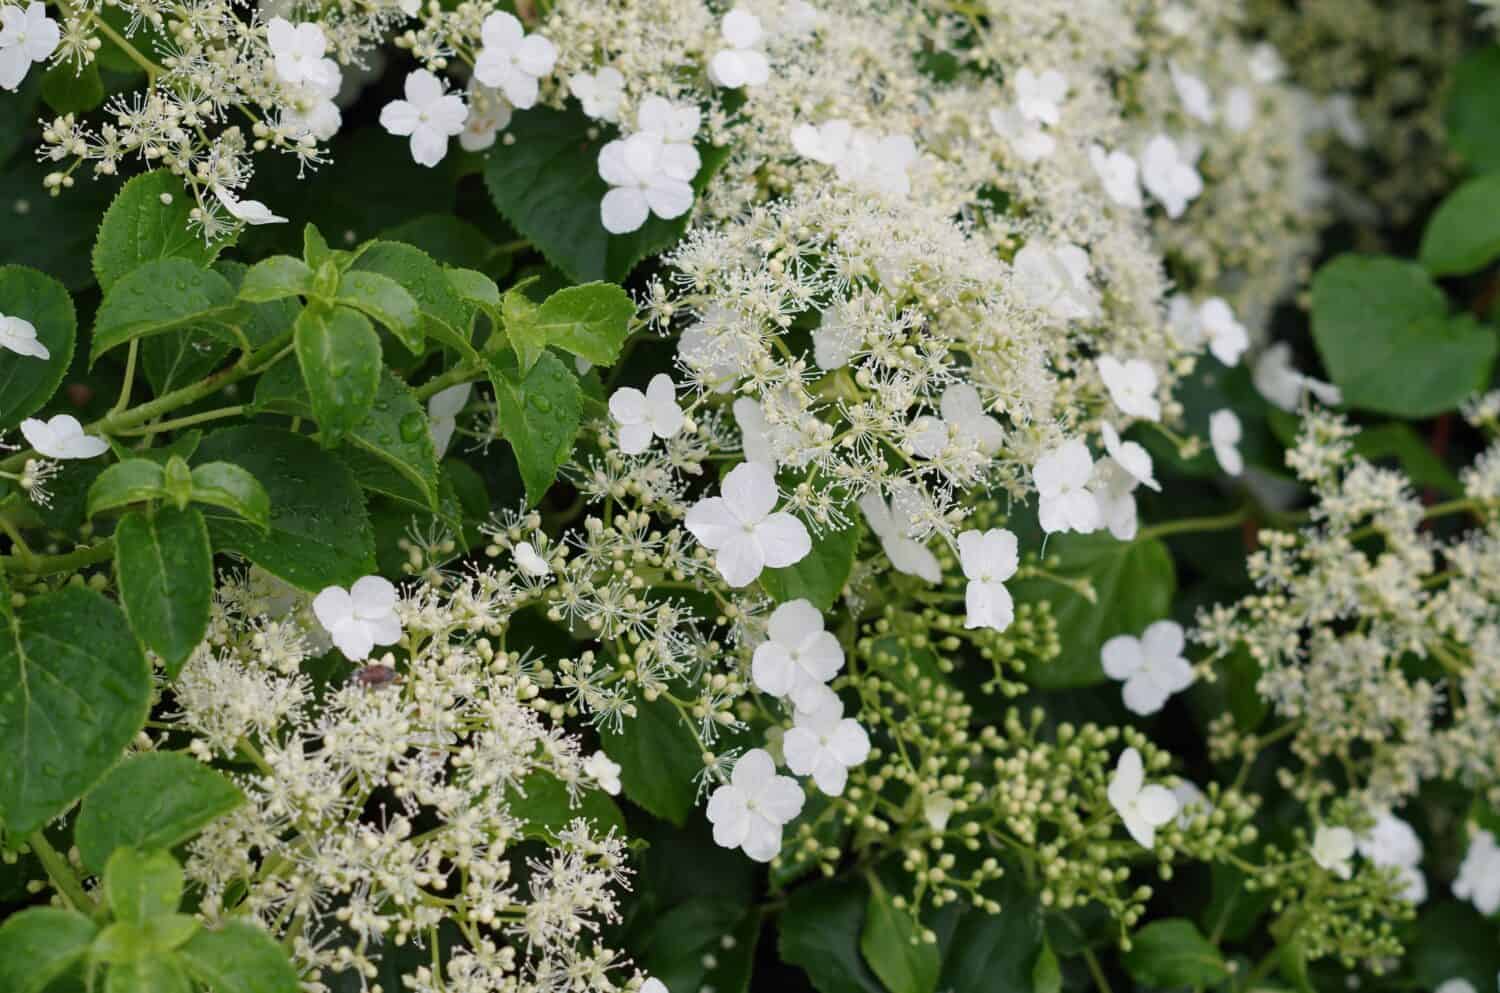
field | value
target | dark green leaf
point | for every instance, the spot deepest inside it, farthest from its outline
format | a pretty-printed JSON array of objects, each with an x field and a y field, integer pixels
[
  {"x": 997, "y": 953},
  {"x": 142, "y": 885},
  {"x": 26, "y": 382},
  {"x": 444, "y": 315},
  {"x": 1473, "y": 116},
  {"x": 822, "y": 573},
  {"x": 1454, "y": 941},
  {"x": 124, "y": 483},
  {"x": 40, "y": 944},
  {"x": 164, "y": 295},
  {"x": 71, "y": 90},
  {"x": 1463, "y": 234},
  {"x": 151, "y": 800},
  {"x": 74, "y": 688},
  {"x": 678, "y": 945},
  {"x": 226, "y": 485},
  {"x": 820, "y": 931},
  {"x": 539, "y": 415},
  {"x": 659, "y": 760},
  {"x": 52, "y": 234},
  {"x": 447, "y": 239},
  {"x": 891, "y": 942},
  {"x": 544, "y": 804},
  {"x": 276, "y": 278},
  {"x": 320, "y": 533},
  {"x": 148, "y": 220},
  {"x": 339, "y": 354},
  {"x": 1168, "y": 953},
  {"x": 240, "y": 958},
  {"x": 165, "y": 568}
]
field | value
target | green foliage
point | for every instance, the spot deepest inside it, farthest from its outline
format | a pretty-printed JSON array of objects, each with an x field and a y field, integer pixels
[
  {"x": 539, "y": 414},
  {"x": 820, "y": 931},
  {"x": 339, "y": 354},
  {"x": 40, "y": 944},
  {"x": 1473, "y": 116},
  {"x": 168, "y": 294},
  {"x": 658, "y": 759},
  {"x": 26, "y": 381},
  {"x": 701, "y": 943},
  {"x": 444, "y": 315},
  {"x": 891, "y": 943},
  {"x": 149, "y": 220},
  {"x": 822, "y": 573},
  {"x": 70, "y": 90},
  {"x": 276, "y": 278},
  {"x": 1463, "y": 234},
  {"x": 544, "y": 802},
  {"x": 1172, "y": 952},
  {"x": 590, "y": 321},
  {"x": 1386, "y": 336},
  {"x": 164, "y": 566},
  {"x": 140, "y": 885},
  {"x": 239, "y": 958}
]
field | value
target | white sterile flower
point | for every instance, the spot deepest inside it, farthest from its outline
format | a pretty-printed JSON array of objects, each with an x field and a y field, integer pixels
[
  {"x": 963, "y": 412},
  {"x": 673, "y": 123},
  {"x": 798, "y": 18},
  {"x": 19, "y": 335},
  {"x": 1393, "y": 843},
  {"x": 645, "y": 175},
  {"x": 715, "y": 354},
  {"x": 1120, "y": 175},
  {"x": 928, "y": 436},
  {"x": 309, "y": 109},
  {"x": 1333, "y": 848},
  {"x": 297, "y": 51},
  {"x": 824, "y": 744},
  {"x": 1224, "y": 433},
  {"x": 835, "y": 339},
  {"x": 937, "y": 808},
  {"x": 1281, "y": 384},
  {"x": 1265, "y": 63},
  {"x": 247, "y": 211},
  {"x": 601, "y": 93},
  {"x": 62, "y": 437},
  {"x": 529, "y": 562},
  {"x": 988, "y": 560},
  {"x": 606, "y": 772},
  {"x": 1196, "y": 99},
  {"x": 1169, "y": 175},
  {"x": 1132, "y": 386},
  {"x": 1191, "y": 802},
  {"x": 1239, "y": 109},
  {"x": 798, "y": 657},
  {"x": 653, "y": 985},
  {"x": 1039, "y": 96},
  {"x": 741, "y": 528},
  {"x": 26, "y": 36},
  {"x": 755, "y": 431},
  {"x": 1142, "y": 807},
  {"x": 443, "y": 408},
  {"x": 1114, "y": 492},
  {"x": 511, "y": 60},
  {"x": 643, "y": 416},
  {"x": 1055, "y": 278},
  {"x": 1026, "y": 137},
  {"x": 489, "y": 114},
  {"x": 1343, "y": 117},
  {"x": 879, "y": 162},
  {"x": 1064, "y": 501},
  {"x": 1152, "y": 666},
  {"x": 1478, "y": 879},
  {"x": 1130, "y": 456},
  {"x": 741, "y": 64},
  {"x": 891, "y": 524},
  {"x": 748, "y": 812},
  {"x": 1227, "y": 337},
  {"x": 1457, "y": 984},
  {"x": 827, "y": 143},
  {"x": 359, "y": 618},
  {"x": 429, "y": 114}
]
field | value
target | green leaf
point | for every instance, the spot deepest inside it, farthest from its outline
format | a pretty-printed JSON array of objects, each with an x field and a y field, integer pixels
[
  {"x": 320, "y": 533},
  {"x": 1454, "y": 941},
  {"x": 544, "y": 804},
  {"x": 142, "y": 885},
  {"x": 151, "y": 800},
  {"x": 149, "y": 220},
  {"x": 147, "y": 974},
  {"x": 276, "y": 278},
  {"x": 27, "y": 382},
  {"x": 680, "y": 943},
  {"x": 547, "y": 185},
  {"x": 70, "y": 90},
  {"x": 444, "y": 316},
  {"x": 539, "y": 415},
  {"x": 239, "y": 958},
  {"x": 40, "y": 944},
  {"x": 820, "y": 931},
  {"x": 517, "y": 315},
  {"x": 822, "y": 573},
  {"x": 1172, "y": 952},
  {"x": 382, "y": 299},
  {"x": 339, "y": 354},
  {"x": 50, "y": 233},
  {"x": 155, "y": 297},
  {"x": 1411, "y": 451},
  {"x": 165, "y": 568},
  {"x": 659, "y": 760},
  {"x": 447, "y": 239},
  {"x": 226, "y": 485},
  {"x": 1385, "y": 336},
  {"x": 1473, "y": 116},
  {"x": 125, "y": 483},
  {"x": 1046, "y": 975},
  {"x": 891, "y": 943},
  {"x": 998, "y": 953},
  {"x": 591, "y": 321},
  {"x": 1463, "y": 234},
  {"x": 1133, "y": 583},
  {"x": 74, "y": 689}
]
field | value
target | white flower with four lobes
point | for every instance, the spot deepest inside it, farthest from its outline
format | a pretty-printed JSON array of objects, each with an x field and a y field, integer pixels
[
  {"x": 1170, "y": 175},
  {"x": 246, "y": 211},
  {"x": 1227, "y": 337},
  {"x": 741, "y": 64},
  {"x": 359, "y": 618},
  {"x": 529, "y": 561},
  {"x": 1119, "y": 174},
  {"x": 601, "y": 93},
  {"x": 824, "y": 744},
  {"x": 512, "y": 61},
  {"x": 1333, "y": 848},
  {"x": 489, "y": 114},
  {"x": 646, "y": 176},
  {"x": 1152, "y": 666},
  {"x": 1132, "y": 386},
  {"x": 1142, "y": 807},
  {"x": 1280, "y": 383},
  {"x": 1062, "y": 479},
  {"x": 988, "y": 559},
  {"x": 891, "y": 524},
  {"x": 1478, "y": 879},
  {"x": 643, "y": 416},
  {"x": 1113, "y": 488},
  {"x": 1196, "y": 99},
  {"x": 429, "y": 114},
  {"x": 798, "y": 657},
  {"x": 1039, "y": 96},
  {"x": 1055, "y": 278},
  {"x": 1130, "y": 456},
  {"x": 603, "y": 770},
  {"x": 1026, "y": 137},
  {"x": 749, "y": 811},
  {"x": 26, "y": 36},
  {"x": 1224, "y": 433},
  {"x": 62, "y": 437},
  {"x": 19, "y": 335},
  {"x": 443, "y": 408},
  {"x": 297, "y": 52},
  {"x": 741, "y": 527},
  {"x": 861, "y": 158},
  {"x": 755, "y": 431}
]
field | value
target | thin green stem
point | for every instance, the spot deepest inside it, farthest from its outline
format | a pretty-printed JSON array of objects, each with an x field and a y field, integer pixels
[
  {"x": 1189, "y": 525},
  {"x": 1096, "y": 971},
  {"x": 61, "y": 873},
  {"x": 47, "y": 565},
  {"x": 188, "y": 421},
  {"x": 125, "y": 387},
  {"x": 458, "y": 374}
]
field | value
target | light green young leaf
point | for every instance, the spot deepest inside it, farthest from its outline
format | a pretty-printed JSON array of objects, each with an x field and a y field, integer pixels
[
  {"x": 27, "y": 381},
  {"x": 39, "y": 944},
  {"x": 892, "y": 945},
  {"x": 148, "y": 973},
  {"x": 444, "y": 315},
  {"x": 164, "y": 567},
  {"x": 276, "y": 278},
  {"x": 124, "y": 483},
  {"x": 142, "y": 885},
  {"x": 591, "y": 321},
  {"x": 149, "y": 220},
  {"x": 1173, "y": 953},
  {"x": 164, "y": 295},
  {"x": 339, "y": 354},
  {"x": 151, "y": 800},
  {"x": 1463, "y": 234},
  {"x": 239, "y": 958},
  {"x": 539, "y": 414},
  {"x": 74, "y": 689},
  {"x": 382, "y": 299}
]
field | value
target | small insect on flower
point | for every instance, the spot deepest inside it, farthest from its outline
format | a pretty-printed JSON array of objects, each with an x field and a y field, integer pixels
[{"x": 375, "y": 676}]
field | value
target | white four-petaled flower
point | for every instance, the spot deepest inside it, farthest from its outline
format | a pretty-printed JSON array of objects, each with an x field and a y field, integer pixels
[
  {"x": 861, "y": 158},
  {"x": 1026, "y": 137},
  {"x": 1055, "y": 278},
  {"x": 1152, "y": 666},
  {"x": 641, "y": 182},
  {"x": 1062, "y": 478},
  {"x": 1280, "y": 383},
  {"x": 19, "y": 335},
  {"x": 359, "y": 618},
  {"x": 489, "y": 114},
  {"x": 798, "y": 657},
  {"x": 1120, "y": 175},
  {"x": 1478, "y": 879},
  {"x": 297, "y": 52},
  {"x": 529, "y": 561},
  {"x": 246, "y": 211},
  {"x": 1196, "y": 99},
  {"x": 600, "y": 93},
  {"x": 512, "y": 61},
  {"x": 643, "y": 416},
  {"x": 749, "y": 811},
  {"x": 988, "y": 559},
  {"x": 824, "y": 744},
  {"x": 429, "y": 114},
  {"x": 1142, "y": 807},
  {"x": 741, "y": 64},
  {"x": 26, "y": 36},
  {"x": 891, "y": 524},
  {"x": 741, "y": 527},
  {"x": 605, "y": 771},
  {"x": 1333, "y": 849},
  {"x": 1039, "y": 96},
  {"x": 1227, "y": 337},
  {"x": 1132, "y": 386},
  {"x": 62, "y": 437},
  {"x": 1169, "y": 175},
  {"x": 1224, "y": 433},
  {"x": 1394, "y": 844}
]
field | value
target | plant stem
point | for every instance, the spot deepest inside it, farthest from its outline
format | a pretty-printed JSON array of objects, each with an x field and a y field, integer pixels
[
  {"x": 458, "y": 374},
  {"x": 1095, "y": 971},
  {"x": 188, "y": 421},
  {"x": 1190, "y": 525},
  {"x": 130, "y": 357},
  {"x": 61, "y": 873},
  {"x": 46, "y": 565}
]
